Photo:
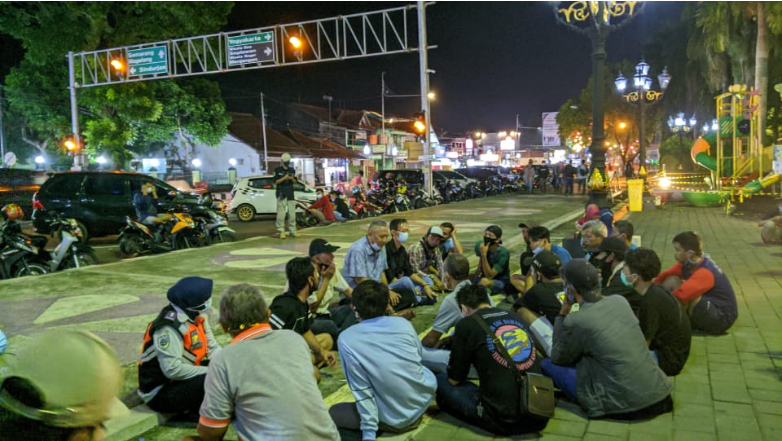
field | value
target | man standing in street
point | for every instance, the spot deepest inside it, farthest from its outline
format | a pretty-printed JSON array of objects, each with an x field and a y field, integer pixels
[
  {"x": 543, "y": 172},
  {"x": 582, "y": 173},
  {"x": 284, "y": 178},
  {"x": 529, "y": 176},
  {"x": 567, "y": 174}
]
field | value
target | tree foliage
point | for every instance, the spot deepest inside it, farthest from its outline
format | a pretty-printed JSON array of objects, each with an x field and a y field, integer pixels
[{"x": 117, "y": 119}]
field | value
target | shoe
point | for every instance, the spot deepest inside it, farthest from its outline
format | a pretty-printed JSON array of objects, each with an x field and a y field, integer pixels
[
  {"x": 283, "y": 235},
  {"x": 295, "y": 235}
]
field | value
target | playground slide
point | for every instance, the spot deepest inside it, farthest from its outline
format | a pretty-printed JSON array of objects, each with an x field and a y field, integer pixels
[{"x": 700, "y": 155}]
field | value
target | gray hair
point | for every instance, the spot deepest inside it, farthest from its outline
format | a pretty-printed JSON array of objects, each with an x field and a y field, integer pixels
[
  {"x": 242, "y": 306},
  {"x": 376, "y": 225},
  {"x": 598, "y": 228}
]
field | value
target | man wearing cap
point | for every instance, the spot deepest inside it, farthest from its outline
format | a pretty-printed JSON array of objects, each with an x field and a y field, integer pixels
[
  {"x": 610, "y": 261},
  {"x": 262, "y": 383},
  {"x": 176, "y": 350},
  {"x": 284, "y": 178},
  {"x": 493, "y": 270},
  {"x": 599, "y": 355},
  {"x": 332, "y": 285},
  {"x": 426, "y": 259},
  {"x": 61, "y": 385},
  {"x": 539, "y": 306},
  {"x": 290, "y": 311}
]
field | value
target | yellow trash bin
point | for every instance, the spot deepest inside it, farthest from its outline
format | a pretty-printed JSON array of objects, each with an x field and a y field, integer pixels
[{"x": 635, "y": 192}]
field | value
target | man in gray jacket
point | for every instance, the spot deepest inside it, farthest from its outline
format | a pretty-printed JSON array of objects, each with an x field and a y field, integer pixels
[{"x": 599, "y": 356}]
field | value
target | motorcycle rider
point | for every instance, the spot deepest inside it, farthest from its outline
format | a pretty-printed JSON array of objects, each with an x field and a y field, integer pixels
[
  {"x": 176, "y": 349},
  {"x": 145, "y": 203}
]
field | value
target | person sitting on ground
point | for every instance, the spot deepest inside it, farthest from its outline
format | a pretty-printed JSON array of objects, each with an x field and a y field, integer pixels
[
  {"x": 540, "y": 240},
  {"x": 176, "y": 350},
  {"x": 426, "y": 259},
  {"x": 367, "y": 259},
  {"x": 624, "y": 229},
  {"x": 539, "y": 306},
  {"x": 663, "y": 320},
  {"x": 267, "y": 400},
  {"x": 290, "y": 311},
  {"x": 322, "y": 209},
  {"x": 358, "y": 180},
  {"x": 591, "y": 212},
  {"x": 450, "y": 241},
  {"x": 527, "y": 253},
  {"x": 494, "y": 405},
  {"x": 700, "y": 285},
  {"x": 61, "y": 385},
  {"x": 399, "y": 263},
  {"x": 329, "y": 319},
  {"x": 610, "y": 261},
  {"x": 456, "y": 277},
  {"x": 341, "y": 209},
  {"x": 493, "y": 270},
  {"x": 599, "y": 356},
  {"x": 381, "y": 358},
  {"x": 592, "y": 235}
]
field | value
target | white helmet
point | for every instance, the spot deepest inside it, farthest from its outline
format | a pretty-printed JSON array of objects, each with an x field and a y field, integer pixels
[{"x": 286, "y": 157}]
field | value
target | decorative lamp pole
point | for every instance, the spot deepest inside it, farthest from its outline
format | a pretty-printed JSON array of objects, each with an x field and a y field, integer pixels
[
  {"x": 593, "y": 18},
  {"x": 642, "y": 96},
  {"x": 681, "y": 126}
]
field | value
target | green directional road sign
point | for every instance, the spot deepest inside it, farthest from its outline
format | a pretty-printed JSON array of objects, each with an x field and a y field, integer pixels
[
  {"x": 250, "y": 48},
  {"x": 148, "y": 61}
]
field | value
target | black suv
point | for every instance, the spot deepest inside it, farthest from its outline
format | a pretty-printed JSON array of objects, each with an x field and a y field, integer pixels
[{"x": 99, "y": 201}]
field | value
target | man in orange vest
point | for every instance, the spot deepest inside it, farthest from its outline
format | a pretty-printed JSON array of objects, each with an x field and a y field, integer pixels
[{"x": 176, "y": 350}]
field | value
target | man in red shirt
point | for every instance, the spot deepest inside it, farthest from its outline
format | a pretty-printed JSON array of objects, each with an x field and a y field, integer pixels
[
  {"x": 700, "y": 285},
  {"x": 322, "y": 209}
]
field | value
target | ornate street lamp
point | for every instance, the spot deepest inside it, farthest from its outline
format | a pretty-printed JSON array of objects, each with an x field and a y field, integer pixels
[
  {"x": 681, "y": 126},
  {"x": 642, "y": 96},
  {"x": 597, "y": 19}
]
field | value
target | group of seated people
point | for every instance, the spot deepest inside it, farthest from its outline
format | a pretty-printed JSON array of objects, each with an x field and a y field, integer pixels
[{"x": 608, "y": 329}]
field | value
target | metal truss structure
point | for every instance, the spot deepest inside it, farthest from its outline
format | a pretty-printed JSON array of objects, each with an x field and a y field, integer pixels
[{"x": 344, "y": 37}]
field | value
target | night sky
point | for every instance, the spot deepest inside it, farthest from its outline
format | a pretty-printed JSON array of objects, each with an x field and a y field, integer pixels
[{"x": 494, "y": 60}]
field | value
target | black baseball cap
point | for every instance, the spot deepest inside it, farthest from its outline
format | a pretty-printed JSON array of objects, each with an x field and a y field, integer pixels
[
  {"x": 581, "y": 274},
  {"x": 495, "y": 229},
  {"x": 613, "y": 245},
  {"x": 319, "y": 246},
  {"x": 546, "y": 263},
  {"x": 523, "y": 225}
]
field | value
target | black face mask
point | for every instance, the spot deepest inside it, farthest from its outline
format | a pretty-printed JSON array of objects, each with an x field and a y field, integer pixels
[
  {"x": 488, "y": 241},
  {"x": 286, "y": 163}
]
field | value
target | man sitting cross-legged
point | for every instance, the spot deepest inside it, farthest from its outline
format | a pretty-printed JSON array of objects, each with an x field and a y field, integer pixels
[
  {"x": 262, "y": 382},
  {"x": 290, "y": 310},
  {"x": 663, "y": 320},
  {"x": 705, "y": 290},
  {"x": 494, "y": 405},
  {"x": 399, "y": 265},
  {"x": 539, "y": 306},
  {"x": 540, "y": 240},
  {"x": 328, "y": 319},
  {"x": 599, "y": 357},
  {"x": 426, "y": 258},
  {"x": 381, "y": 357}
]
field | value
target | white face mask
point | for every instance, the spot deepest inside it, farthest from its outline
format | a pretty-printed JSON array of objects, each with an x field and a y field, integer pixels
[
  {"x": 403, "y": 237},
  {"x": 537, "y": 250}
]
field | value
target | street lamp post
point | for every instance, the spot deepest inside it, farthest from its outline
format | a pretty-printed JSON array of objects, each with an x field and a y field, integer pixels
[
  {"x": 593, "y": 18},
  {"x": 643, "y": 96},
  {"x": 681, "y": 126}
]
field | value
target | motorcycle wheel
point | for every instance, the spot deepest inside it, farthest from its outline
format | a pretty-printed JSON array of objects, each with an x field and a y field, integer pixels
[
  {"x": 85, "y": 257},
  {"x": 130, "y": 245},
  {"x": 224, "y": 237},
  {"x": 30, "y": 269},
  {"x": 420, "y": 204},
  {"x": 184, "y": 242},
  {"x": 312, "y": 221}
]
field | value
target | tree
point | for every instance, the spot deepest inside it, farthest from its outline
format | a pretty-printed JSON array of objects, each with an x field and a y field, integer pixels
[{"x": 114, "y": 118}]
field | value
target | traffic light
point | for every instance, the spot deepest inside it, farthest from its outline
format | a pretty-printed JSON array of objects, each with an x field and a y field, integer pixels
[{"x": 420, "y": 123}]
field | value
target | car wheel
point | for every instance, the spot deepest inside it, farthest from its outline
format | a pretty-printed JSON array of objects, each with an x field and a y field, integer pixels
[
  {"x": 245, "y": 212},
  {"x": 130, "y": 245}
]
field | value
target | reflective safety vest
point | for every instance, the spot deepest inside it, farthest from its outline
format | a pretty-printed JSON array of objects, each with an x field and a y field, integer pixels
[{"x": 195, "y": 347}]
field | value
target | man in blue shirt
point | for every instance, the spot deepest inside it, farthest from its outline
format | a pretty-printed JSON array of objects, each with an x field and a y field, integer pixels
[{"x": 381, "y": 358}]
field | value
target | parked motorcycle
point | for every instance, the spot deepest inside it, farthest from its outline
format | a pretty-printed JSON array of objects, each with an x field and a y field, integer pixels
[
  {"x": 176, "y": 234},
  {"x": 71, "y": 252},
  {"x": 304, "y": 218},
  {"x": 19, "y": 253},
  {"x": 213, "y": 223}
]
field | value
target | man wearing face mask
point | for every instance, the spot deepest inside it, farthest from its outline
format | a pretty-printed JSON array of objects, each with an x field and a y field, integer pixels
[
  {"x": 322, "y": 209},
  {"x": 399, "y": 263},
  {"x": 367, "y": 259},
  {"x": 610, "y": 262},
  {"x": 341, "y": 209},
  {"x": 425, "y": 257},
  {"x": 663, "y": 320},
  {"x": 700, "y": 285},
  {"x": 290, "y": 311},
  {"x": 451, "y": 242},
  {"x": 284, "y": 178},
  {"x": 599, "y": 355},
  {"x": 144, "y": 202},
  {"x": 176, "y": 350},
  {"x": 493, "y": 270}
]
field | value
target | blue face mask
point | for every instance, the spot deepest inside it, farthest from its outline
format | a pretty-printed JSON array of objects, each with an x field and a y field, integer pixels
[
  {"x": 375, "y": 246},
  {"x": 448, "y": 243},
  {"x": 403, "y": 237},
  {"x": 624, "y": 279},
  {"x": 537, "y": 250},
  {"x": 569, "y": 294}
]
